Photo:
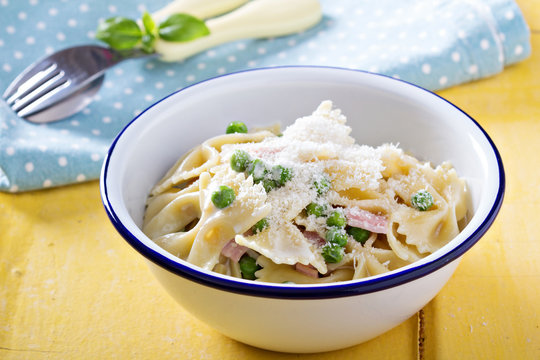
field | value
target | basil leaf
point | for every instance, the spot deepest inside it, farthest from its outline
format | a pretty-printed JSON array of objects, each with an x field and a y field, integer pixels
[
  {"x": 119, "y": 32},
  {"x": 150, "y": 33},
  {"x": 149, "y": 24},
  {"x": 182, "y": 27},
  {"x": 147, "y": 43}
]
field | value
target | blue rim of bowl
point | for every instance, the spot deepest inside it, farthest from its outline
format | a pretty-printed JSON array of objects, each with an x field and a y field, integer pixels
[{"x": 331, "y": 290}]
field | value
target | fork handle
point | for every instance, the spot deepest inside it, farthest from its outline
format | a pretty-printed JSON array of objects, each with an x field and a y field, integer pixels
[{"x": 256, "y": 19}]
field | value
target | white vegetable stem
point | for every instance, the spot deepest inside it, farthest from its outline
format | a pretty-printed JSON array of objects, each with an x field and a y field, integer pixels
[
  {"x": 256, "y": 19},
  {"x": 202, "y": 9}
]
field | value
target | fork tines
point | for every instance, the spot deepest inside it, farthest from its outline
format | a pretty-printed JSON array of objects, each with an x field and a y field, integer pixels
[{"x": 26, "y": 96}]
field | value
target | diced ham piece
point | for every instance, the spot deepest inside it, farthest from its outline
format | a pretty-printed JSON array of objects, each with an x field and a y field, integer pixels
[
  {"x": 233, "y": 251},
  {"x": 314, "y": 237},
  {"x": 307, "y": 270},
  {"x": 267, "y": 150},
  {"x": 366, "y": 220}
]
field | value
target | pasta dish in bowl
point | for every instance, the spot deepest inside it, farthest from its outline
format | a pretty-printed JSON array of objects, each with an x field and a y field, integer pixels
[
  {"x": 308, "y": 205},
  {"x": 333, "y": 223}
]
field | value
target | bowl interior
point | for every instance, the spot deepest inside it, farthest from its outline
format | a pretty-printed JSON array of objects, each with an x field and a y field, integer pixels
[{"x": 378, "y": 109}]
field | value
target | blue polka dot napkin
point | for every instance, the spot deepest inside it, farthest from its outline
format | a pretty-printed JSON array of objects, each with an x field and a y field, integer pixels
[{"x": 434, "y": 44}]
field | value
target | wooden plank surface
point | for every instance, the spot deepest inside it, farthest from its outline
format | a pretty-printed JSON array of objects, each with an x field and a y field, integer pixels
[{"x": 70, "y": 287}]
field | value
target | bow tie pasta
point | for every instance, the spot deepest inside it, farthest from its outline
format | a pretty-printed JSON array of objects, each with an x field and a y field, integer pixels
[{"x": 305, "y": 206}]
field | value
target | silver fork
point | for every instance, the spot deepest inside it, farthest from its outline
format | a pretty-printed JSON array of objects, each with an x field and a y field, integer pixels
[{"x": 63, "y": 83}]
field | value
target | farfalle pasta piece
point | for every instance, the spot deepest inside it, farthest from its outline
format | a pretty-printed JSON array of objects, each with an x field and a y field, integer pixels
[
  {"x": 221, "y": 225},
  {"x": 285, "y": 244},
  {"x": 154, "y": 204},
  {"x": 174, "y": 216}
]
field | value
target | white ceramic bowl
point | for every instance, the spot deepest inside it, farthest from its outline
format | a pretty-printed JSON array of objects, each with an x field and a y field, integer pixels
[{"x": 301, "y": 318}]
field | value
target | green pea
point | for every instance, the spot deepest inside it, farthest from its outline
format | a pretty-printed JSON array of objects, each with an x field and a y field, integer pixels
[
  {"x": 258, "y": 170},
  {"x": 240, "y": 160},
  {"x": 236, "y": 127},
  {"x": 269, "y": 185},
  {"x": 332, "y": 253},
  {"x": 315, "y": 209},
  {"x": 248, "y": 267},
  {"x": 260, "y": 225},
  {"x": 422, "y": 200},
  {"x": 337, "y": 236},
  {"x": 322, "y": 185},
  {"x": 337, "y": 219},
  {"x": 358, "y": 234},
  {"x": 223, "y": 197},
  {"x": 281, "y": 174}
]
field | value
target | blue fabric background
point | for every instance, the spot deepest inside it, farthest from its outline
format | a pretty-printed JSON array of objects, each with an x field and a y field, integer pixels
[{"x": 434, "y": 44}]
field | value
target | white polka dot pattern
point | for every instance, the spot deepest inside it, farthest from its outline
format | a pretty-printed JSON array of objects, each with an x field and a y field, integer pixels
[{"x": 434, "y": 44}]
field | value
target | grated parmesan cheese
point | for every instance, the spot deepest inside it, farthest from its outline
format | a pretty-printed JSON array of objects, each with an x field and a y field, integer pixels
[{"x": 313, "y": 147}]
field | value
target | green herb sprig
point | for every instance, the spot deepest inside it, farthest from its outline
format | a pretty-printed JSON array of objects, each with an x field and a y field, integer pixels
[{"x": 123, "y": 34}]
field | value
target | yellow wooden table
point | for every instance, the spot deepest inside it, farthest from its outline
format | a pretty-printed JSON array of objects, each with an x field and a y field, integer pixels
[{"x": 71, "y": 288}]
